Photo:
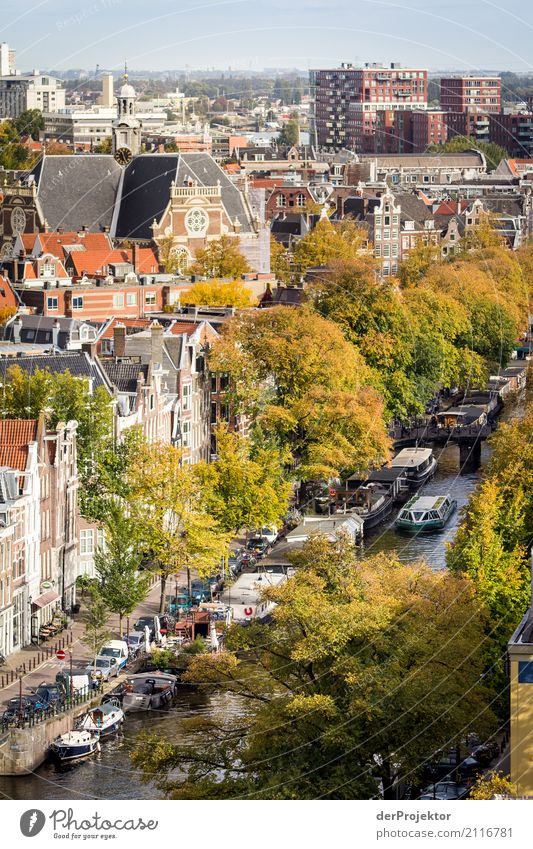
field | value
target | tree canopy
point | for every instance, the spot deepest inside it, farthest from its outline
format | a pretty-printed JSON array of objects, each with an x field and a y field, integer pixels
[
  {"x": 366, "y": 671},
  {"x": 221, "y": 258},
  {"x": 218, "y": 293}
]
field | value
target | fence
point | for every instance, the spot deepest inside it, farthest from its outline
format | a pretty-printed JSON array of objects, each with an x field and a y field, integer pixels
[{"x": 28, "y": 720}]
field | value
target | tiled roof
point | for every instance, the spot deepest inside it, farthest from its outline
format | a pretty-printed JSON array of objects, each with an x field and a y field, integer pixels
[
  {"x": 14, "y": 456},
  {"x": 18, "y": 431},
  {"x": 7, "y": 295},
  {"x": 58, "y": 243},
  {"x": 124, "y": 375},
  {"x": 97, "y": 261},
  {"x": 77, "y": 363}
]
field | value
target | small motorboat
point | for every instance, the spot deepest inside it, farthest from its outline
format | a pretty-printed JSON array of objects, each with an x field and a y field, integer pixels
[
  {"x": 75, "y": 746},
  {"x": 103, "y": 720},
  {"x": 426, "y": 513},
  {"x": 148, "y": 691}
]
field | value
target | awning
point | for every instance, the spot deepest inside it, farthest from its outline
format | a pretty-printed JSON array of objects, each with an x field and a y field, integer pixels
[{"x": 45, "y": 598}]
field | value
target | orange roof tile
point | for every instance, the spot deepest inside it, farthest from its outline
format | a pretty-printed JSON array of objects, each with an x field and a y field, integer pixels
[
  {"x": 18, "y": 431},
  {"x": 14, "y": 456},
  {"x": 29, "y": 271}
]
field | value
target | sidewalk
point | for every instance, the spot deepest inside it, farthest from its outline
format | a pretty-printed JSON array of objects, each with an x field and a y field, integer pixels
[{"x": 40, "y": 662}]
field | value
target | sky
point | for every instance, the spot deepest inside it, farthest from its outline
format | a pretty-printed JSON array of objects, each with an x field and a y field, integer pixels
[{"x": 256, "y": 34}]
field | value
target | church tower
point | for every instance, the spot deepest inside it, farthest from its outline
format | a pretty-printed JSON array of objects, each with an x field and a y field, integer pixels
[{"x": 126, "y": 128}]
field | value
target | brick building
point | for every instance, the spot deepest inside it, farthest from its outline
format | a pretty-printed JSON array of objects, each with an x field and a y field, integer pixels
[{"x": 470, "y": 94}]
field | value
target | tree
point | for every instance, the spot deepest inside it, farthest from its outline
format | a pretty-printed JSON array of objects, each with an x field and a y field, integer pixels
[
  {"x": 328, "y": 242},
  {"x": 493, "y": 785},
  {"x": 279, "y": 261},
  {"x": 243, "y": 488},
  {"x": 96, "y": 631},
  {"x": 306, "y": 386},
  {"x": 175, "y": 530},
  {"x": 29, "y": 123},
  {"x": 117, "y": 565},
  {"x": 217, "y": 293},
  {"x": 105, "y": 481},
  {"x": 290, "y": 132},
  {"x": 5, "y": 314},
  {"x": 105, "y": 146},
  {"x": 366, "y": 671},
  {"x": 221, "y": 258},
  {"x": 493, "y": 152},
  {"x": 58, "y": 149}
]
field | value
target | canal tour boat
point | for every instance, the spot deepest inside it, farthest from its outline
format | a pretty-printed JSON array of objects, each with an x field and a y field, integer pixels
[
  {"x": 75, "y": 746},
  {"x": 148, "y": 691},
  {"x": 419, "y": 465},
  {"x": 103, "y": 720},
  {"x": 426, "y": 513}
]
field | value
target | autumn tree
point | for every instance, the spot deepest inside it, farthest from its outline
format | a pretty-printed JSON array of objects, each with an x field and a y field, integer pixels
[
  {"x": 175, "y": 530},
  {"x": 117, "y": 565},
  {"x": 306, "y": 386},
  {"x": 96, "y": 631},
  {"x": 493, "y": 152},
  {"x": 29, "y": 123},
  {"x": 244, "y": 487},
  {"x": 493, "y": 785},
  {"x": 328, "y": 242},
  {"x": 218, "y": 293},
  {"x": 220, "y": 258},
  {"x": 280, "y": 264},
  {"x": 367, "y": 669}
]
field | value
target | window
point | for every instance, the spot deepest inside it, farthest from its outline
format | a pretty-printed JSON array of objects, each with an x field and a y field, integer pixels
[
  {"x": 300, "y": 200},
  {"x": 281, "y": 201},
  {"x": 100, "y": 538},
  {"x": 224, "y": 381},
  {"x": 386, "y": 222},
  {"x": 525, "y": 672},
  {"x": 118, "y": 299},
  {"x": 131, "y": 299},
  {"x": 149, "y": 298},
  {"x": 186, "y": 434},
  {"x": 213, "y": 412},
  {"x": 386, "y": 234},
  {"x": 48, "y": 268},
  {"x": 86, "y": 542},
  {"x": 186, "y": 394},
  {"x": 77, "y": 303},
  {"x": 52, "y": 303}
]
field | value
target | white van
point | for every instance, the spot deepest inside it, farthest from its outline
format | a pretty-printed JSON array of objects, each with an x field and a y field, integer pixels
[{"x": 117, "y": 649}]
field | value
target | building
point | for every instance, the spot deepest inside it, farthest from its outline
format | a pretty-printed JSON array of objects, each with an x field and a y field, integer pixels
[
  {"x": 32, "y": 91},
  {"x": 471, "y": 124},
  {"x": 7, "y": 60},
  {"x": 520, "y": 653},
  {"x": 108, "y": 96},
  {"x": 345, "y": 101},
  {"x": 513, "y": 132},
  {"x": 470, "y": 94},
  {"x": 407, "y": 131},
  {"x": 126, "y": 135}
]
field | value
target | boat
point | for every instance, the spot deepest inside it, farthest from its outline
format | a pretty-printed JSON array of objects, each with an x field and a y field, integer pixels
[
  {"x": 371, "y": 501},
  {"x": 426, "y": 513},
  {"x": 148, "y": 691},
  {"x": 419, "y": 465},
  {"x": 75, "y": 746},
  {"x": 105, "y": 719}
]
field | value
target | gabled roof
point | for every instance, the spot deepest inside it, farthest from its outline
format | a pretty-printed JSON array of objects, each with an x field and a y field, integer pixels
[
  {"x": 412, "y": 208},
  {"x": 78, "y": 190},
  {"x": 145, "y": 190},
  {"x": 78, "y": 363},
  {"x": 124, "y": 375},
  {"x": 15, "y": 435},
  {"x": 58, "y": 243},
  {"x": 8, "y": 297}
]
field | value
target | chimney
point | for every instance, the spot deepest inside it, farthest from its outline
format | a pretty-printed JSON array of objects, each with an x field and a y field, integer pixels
[
  {"x": 156, "y": 336},
  {"x": 136, "y": 258},
  {"x": 119, "y": 340},
  {"x": 17, "y": 327},
  {"x": 90, "y": 349},
  {"x": 55, "y": 333}
]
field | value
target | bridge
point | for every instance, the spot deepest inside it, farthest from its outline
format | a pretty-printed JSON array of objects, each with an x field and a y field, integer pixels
[{"x": 467, "y": 437}]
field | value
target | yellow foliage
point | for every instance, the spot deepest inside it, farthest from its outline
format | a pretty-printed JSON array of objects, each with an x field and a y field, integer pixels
[{"x": 218, "y": 293}]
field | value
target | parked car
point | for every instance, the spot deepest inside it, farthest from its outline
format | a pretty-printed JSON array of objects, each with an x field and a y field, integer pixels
[
  {"x": 258, "y": 546},
  {"x": 444, "y": 791},
  {"x": 27, "y": 706},
  {"x": 50, "y": 694},
  {"x": 152, "y": 623},
  {"x": 135, "y": 643},
  {"x": 81, "y": 680},
  {"x": 235, "y": 562},
  {"x": 201, "y": 590},
  {"x": 269, "y": 533},
  {"x": 117, "y": 649},
  {"x": 103, "y": 668}
]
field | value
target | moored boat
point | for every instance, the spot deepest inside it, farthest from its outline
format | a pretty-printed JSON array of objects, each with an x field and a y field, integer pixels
[
  {"x": 419, "y": 465},
  {"x": 105, "y": 719},
  {"x": 426, "y": 513},
  {"x": 371, "y": 501},
  {"x": 148, "y": 691},
  {"x": 75, "y": 746}
]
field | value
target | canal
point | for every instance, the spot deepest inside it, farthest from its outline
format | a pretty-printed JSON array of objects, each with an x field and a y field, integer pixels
[{"x": 110, "y": 775}]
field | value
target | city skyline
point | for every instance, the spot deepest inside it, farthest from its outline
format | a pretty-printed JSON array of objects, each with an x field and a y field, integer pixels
[{"x": 247, "y": 35}]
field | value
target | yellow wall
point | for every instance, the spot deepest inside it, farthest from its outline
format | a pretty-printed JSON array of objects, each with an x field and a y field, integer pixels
[{"x": 521, "y": 727}]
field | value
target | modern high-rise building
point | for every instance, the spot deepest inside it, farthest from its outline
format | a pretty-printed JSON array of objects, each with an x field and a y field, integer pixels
[
  {"x": 7, "y": 60},
  {"x": 108, "y": 96},
  {"x": 20, "y": 92},
  {"x": 470, "y": 94},
  {"x": 345, "y": 101}
]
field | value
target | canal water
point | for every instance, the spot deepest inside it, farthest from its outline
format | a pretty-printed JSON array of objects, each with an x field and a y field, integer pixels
[{"x": 110, "y": 775}]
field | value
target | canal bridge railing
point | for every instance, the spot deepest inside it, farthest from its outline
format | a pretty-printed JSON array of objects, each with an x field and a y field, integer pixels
[{"x": 468, "y": 438}]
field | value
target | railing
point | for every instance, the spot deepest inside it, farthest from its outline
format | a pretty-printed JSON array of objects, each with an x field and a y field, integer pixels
[
  {"x": 29, "y": 720},
  {"x": 195, "y": 191}
]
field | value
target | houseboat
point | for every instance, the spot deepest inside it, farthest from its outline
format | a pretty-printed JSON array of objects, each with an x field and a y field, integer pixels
[
  {"x": 75, "y": 746},
  {"x": 426, "y": 513},
  {"x": 148, "y": 691},
  {"x": 371, "y": 501},
  {"x": 103, "y": 720},
  {"x": 419, "y": 465}
]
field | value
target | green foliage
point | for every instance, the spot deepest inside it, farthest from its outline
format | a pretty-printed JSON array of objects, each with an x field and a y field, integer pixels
[
  {"x": 13, "y": 155},
  {"x": 96, "y": 631},
  {"x": 117, "y": 564},
  {"x": 492, "y": 152},
  {"x": 242, "y": 489},
  {"x": 307, "y": 388},
  {"x": 105, "y": 481},
  {"x": 279, "y": 261},
  {"x": 29, "y": 123},
  {"x": 367, "y": 668},
  {"x": 104, "y": 146},
  {"x": 290, "y": 132},
  {"x": 328, "y": 242},
  {"x": 221, "y": 258}
]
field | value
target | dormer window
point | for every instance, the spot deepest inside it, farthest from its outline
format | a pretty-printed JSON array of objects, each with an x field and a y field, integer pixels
[{"x": 48, "y": 268}]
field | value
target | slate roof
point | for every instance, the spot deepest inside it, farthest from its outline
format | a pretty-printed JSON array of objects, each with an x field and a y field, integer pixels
[
  {"x": 78, "y": 363},
  {"x": 469, "y": 159},
  {"x": 38, "y": 329},
  {"x": 124, "y": 375},
  {"x": 145, "y": 190},
  {"x": 412, "y": 208},
  {"x": 77, "y": 191}
]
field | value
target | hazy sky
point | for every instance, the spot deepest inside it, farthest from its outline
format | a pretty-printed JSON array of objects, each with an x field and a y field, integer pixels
[{"x": 161, "y": 34}]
